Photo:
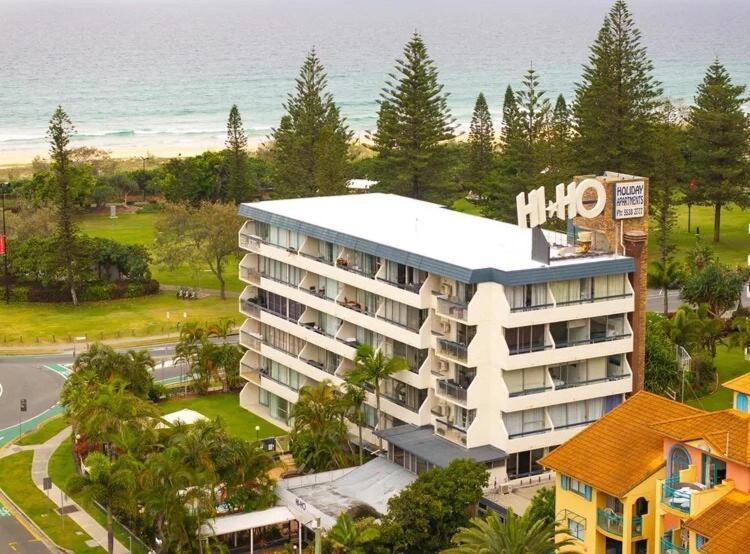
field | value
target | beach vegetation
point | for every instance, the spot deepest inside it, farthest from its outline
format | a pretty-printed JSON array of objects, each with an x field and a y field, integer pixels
[
  {"x": 481, "y": 146},
  {"x": 239, "y": 185}
]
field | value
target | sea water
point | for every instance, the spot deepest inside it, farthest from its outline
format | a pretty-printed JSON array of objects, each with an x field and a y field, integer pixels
[{"x": 150, "y": 74}]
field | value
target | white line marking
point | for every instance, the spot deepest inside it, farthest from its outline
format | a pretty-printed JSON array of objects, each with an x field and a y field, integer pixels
[{"x": 1, "y": 389}]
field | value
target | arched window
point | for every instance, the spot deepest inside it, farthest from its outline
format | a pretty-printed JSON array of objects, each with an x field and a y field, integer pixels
[
  {"x": 679, "y": 459},
  {"x": 741, "y": 402},
  {"x": 641, "y": 507}
]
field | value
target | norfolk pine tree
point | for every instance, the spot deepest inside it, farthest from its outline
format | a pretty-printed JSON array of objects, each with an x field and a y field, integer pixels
[
  {"x": 481, "y": 144},
  {"x": 309, "y": 155},
  {"x": 719, "y": 142},
  {"x": 236, "y": 144},
  {"x": 413, "y": 123},
  {"x": 616, "y": 102},
  {"x": 559, "y": 146},
  {"x": 59, "y": 133}
]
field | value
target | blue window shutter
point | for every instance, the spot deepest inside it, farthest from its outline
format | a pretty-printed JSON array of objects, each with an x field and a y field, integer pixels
[
  {"x": 565, "y": 482},
  {"x": 587, "y": 492},
  {"x": 741, "y": 402}
]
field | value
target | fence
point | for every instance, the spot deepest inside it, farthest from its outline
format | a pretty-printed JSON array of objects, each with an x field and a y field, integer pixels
[
  {"x": 93, "y": 336},
  {"x": 135, "y": 544}
]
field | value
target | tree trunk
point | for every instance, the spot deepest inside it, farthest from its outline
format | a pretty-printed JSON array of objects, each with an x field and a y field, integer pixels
[
  {"x": 717, "y": 222},
  {"x": 359, "y": 425},
  {"x": 222, "y": 287},
  {"x": 110, "y": 533},
  {"x": 73, "y": 295},
  {"x": 377, "y": 408},
  {"x": 666, "y": 300}
]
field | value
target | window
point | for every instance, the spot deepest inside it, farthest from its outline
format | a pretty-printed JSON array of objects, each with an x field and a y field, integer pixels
[
  {"x": 574, "y": 485},
  {"x": 406, "y": 316},
  {"x": 576, "y": 529},
  {"x": 700, "y": 540},
  {"x": 527, "y": 296},
  {"x": 576, "y": 413},
  {"x": 414, "y": 356},
  {"x": 641, "y": 547},
  {"x": 281, "y": 340},
  {"x": 641, "y": 507},
  {"x": 369, "y": 416},
  {"x": 525, "y": 339},
  {"x": 524, "y": 422},
  {"x": 714, "y": 471},
  {"x": 525, "y": 381},
  {"x": 679, "y": 459},
  {"x": 607, "y": 327},
  {"x": 284, "y": 238},
  {"x": 741, "y": 402},
  {"x": 523, "y": 464}
]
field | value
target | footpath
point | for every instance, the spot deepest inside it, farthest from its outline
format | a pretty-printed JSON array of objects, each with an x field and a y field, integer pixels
[{"x": 40, "y": 470}]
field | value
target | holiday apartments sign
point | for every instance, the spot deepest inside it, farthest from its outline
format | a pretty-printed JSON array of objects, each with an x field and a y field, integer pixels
[{"x": 629, "y": 200}]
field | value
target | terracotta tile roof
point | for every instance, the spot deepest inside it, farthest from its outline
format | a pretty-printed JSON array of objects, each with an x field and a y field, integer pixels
[
  {"x": 732, "y": 539},
  {"x": 620, "y": 450},
  {"x": 727, "y": 432},
  {"x": 740, "y": 384},
  {"x": 713, "y": 520}
]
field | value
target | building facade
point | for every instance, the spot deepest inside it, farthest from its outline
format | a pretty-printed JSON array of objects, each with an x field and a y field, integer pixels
[
  {"x": 510, "y": 353},
  {"x": 656, "y": 476}
]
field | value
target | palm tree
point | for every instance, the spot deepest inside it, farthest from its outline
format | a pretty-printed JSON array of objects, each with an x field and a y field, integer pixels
[
  {"x": 350, "y": 537},
  {"x": 354, "y": 399},
  {"x": 319, "y": 435},
  {"x": 220, "y": 329},
  {"x": 666, "y": 275},
  {"x": 741, "y": 335},
  {"x": 517, "y": 535},
  {"x": 371, "y": 368},
  {"x": 109, "y": 483}
]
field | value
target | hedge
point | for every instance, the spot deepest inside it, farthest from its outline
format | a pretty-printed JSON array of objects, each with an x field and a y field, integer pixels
[{"x": 89, "y": 292}]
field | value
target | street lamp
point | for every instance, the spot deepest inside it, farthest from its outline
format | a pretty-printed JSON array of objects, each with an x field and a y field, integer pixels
[
  {"x": 4, "y": 244},
  {"x": 257, "y": 432}
]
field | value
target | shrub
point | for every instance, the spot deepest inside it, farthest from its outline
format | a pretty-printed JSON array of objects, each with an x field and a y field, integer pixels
[
  {"x": 19, "y": 294},
  {"x": 134, "y": 290},
  {"x": 96, "y": 291},
  {"x": 150, "y": 208}
]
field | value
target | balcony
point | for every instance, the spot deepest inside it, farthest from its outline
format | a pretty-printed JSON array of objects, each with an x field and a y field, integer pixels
[
  {"x": 452, "y": 432},
  {"x": 249, "y": 373},
  {"x": 453, "y": 307},
  {"x": 593, "y": 299},
  {"x": 526, "y": 392},
  {"x": 667, "y": 547},
  {"x": 676, "y": 495},
  {"x": 451, "y": 389},
  {"x": 250, "y": 307},
  {"x": 613, "y": 523},
  {"x": 411, "y": 287},
  {"x": 452, "y": 349},
  {"x": 250, "y": 242},
  {"x": 250, "y": 340}
]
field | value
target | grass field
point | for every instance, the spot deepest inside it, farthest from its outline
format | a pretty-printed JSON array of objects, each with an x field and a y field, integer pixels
[
  {"x": 239, "y": 422},
  {"x": 730, "y": 363},
  {"x": 44, "y": 432},
  {"x": 135, "y": 228},
  {"x": 147, "y": 315},
  {"x": 734, "y": 247},
  {"x": 61, "y": 469},
  {"x": 15, "y": 480}
]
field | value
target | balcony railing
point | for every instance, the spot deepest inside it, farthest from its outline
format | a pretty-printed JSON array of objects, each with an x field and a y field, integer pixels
[
  {"x": 250, "y": 373},
  {"x": 560, "y": 384},
  {"x": 411, "y": 287},
  {"x": 453, "y": 349},
  {"x": 249, "y": 340},
  {"x": 528, "y": 348},
  {"x": 593, "y": 299},
  {"x": 531, "y": 307},
  {"x": 251, "y": 242},
  {"x": 450, "y": 431},
  {"x": 614, "y": 523},
  {"x": 525, "y": 392},
  {"x": 250, "y": 273},
  {"x": 452, "y": 307},
  {"x": 267, "y": 375},
  {"x": 675, "y": 495},
  {"x": 594, "y": 339},
  {"x": 533, "y": 430},
  {"x": 449, "y": 388},
  {"x": 667, "y": 547},
  {"x": 250, "y": 307}
]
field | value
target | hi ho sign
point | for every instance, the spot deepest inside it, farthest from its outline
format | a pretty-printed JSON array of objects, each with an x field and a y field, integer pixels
[{"x": 629, "y": 202}]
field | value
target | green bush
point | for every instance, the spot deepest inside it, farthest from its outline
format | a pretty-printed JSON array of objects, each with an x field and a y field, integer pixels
[
  {"x": 19, "y": 294},
  {"x": 93, "y": 292},
  {"x": 134, "y": 290},
  {"x": 150, "y": 208}
]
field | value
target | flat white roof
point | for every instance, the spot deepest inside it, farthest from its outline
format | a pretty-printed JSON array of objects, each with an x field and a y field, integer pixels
[
  {"x": 422, "y": 228},
  {"x": 360, "y": 184},
  {"x": 225, "y": 525},
  {"x": 184, "y": 416}
]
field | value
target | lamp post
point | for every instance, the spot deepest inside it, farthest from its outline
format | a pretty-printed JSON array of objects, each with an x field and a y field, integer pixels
[
  {"x": 257, "y": 432},
  {"x": 4, "y": 245}
]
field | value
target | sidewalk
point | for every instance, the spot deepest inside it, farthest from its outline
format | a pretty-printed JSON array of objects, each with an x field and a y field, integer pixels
[{"x": 42, "y": 455}]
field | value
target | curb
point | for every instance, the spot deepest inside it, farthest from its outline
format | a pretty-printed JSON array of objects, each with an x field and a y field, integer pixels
[{"x": 31, "y": 526}]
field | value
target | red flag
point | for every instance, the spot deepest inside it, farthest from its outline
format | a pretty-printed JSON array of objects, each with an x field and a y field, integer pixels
[{"x": 2, "y": 245}]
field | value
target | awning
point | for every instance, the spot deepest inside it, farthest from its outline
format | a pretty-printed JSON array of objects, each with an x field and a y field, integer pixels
[
  {"x": 242, "y": 522},
  {"x": 422, "y": 442}
]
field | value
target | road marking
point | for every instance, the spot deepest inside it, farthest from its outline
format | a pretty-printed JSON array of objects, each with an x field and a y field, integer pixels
[
  {"x": 1, "y": 389},
  {"x": 60, "y": 369},
  {"x": 13, "y": 546}
]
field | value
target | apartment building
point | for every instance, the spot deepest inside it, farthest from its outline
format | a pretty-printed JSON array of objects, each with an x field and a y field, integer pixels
[
  {"x": 657, "y": 476},
  {"x": 516, "y": 338}
]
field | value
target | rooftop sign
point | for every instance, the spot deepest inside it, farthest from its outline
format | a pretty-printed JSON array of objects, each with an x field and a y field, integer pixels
[
  {"x": 568, "y": 203},
  {"x": 629, "y": 200}
]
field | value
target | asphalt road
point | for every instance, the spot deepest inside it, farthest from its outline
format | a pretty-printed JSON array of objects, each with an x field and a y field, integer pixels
[
  {"x": 655, "y": 300},
  {"x": 15, "y": 538}
]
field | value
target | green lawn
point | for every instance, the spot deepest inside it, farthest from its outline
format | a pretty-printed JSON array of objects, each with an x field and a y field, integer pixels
[
  {"x": 730, "y": 363},
  {"x": 734, "y": 246},
  {"x": 466, "y": 206},
  {"x": 44, "y": 432},
  {"x": 239, "y": 422},
  {"x": 15, "y": 480},
  {"x": 147, "y": 315},
  {"x": 136, "y": 228},
  {"x": 61, "y": 469}
]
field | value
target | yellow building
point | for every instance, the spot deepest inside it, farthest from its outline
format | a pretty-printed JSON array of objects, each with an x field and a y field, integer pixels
[
  {"x": 656, "y": 476},
  {"x": 606, "y": 477}
]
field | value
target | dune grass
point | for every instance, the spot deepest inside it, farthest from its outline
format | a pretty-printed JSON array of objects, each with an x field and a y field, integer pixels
[
  {"x": 239, "y": 422},
  {"x": 44, "y": 323},
  {"x": 15, "y": 480}
]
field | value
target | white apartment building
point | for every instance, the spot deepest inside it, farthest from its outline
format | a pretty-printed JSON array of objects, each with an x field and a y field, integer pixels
[{"x": 509, "y": 355}]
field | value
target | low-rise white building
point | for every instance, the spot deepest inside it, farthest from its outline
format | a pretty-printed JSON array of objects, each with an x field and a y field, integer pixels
[{"x": 516, "y": 338}]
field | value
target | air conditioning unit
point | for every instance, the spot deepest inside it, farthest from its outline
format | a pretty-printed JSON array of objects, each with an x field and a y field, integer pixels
[
  {"x": 446, "y": 289},
  {"x": 446, "y": 327},
  {"x": 443, "y": 366}
]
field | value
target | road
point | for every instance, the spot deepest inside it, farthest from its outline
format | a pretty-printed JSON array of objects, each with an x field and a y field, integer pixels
[
  {"x": 15, "y": 537},
  {"x": 655, "y": 300}
]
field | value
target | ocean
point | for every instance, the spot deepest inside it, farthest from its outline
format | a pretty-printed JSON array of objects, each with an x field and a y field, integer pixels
[{"x": 159, "y": 76}]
